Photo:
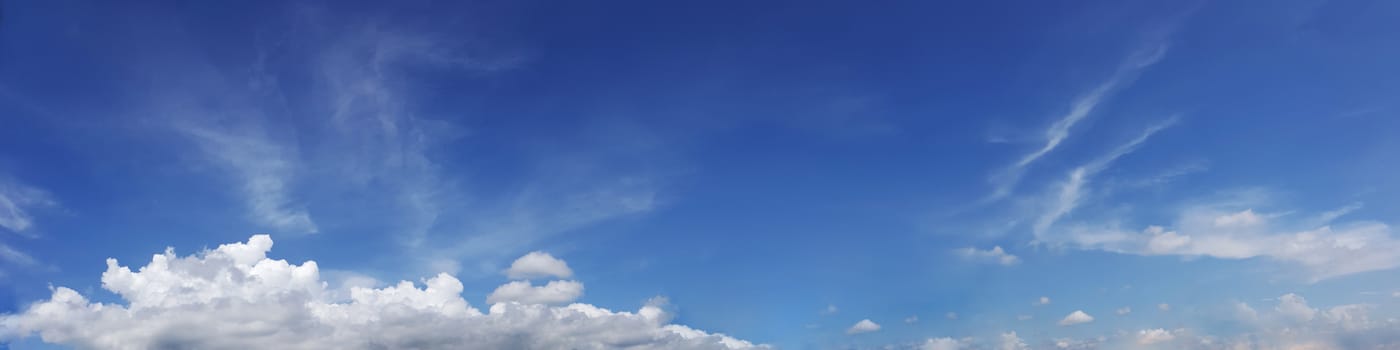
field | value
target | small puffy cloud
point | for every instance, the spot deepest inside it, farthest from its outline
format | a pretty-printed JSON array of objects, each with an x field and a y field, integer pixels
[
  {"x": 1295, "y": 307},
  {"x": 1042, "y": 301},
  {"x": 1010, "y": 341},
  {"x": 235, "y": 297},
  {"x": 1154, "y": 336},
  {"x": 951, "y": 315},
  {"x": 537, "y": 265},
  {"x": 864, "y": 326},
  {"x": 1164, "y": 307},
  {"x": 1244, "y": 312},
  {"x": 1076, "y": 317},
  {"x": 911, "y": 319},
  {"x": 944, "y": 343},
  {"x": 555, "y": 292},
  {"x": 995, "y": 255},
  {"x": 1123, "y": 310}
]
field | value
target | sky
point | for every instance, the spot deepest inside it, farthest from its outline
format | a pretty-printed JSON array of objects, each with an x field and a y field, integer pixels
[{"x": 706, "y": 175}]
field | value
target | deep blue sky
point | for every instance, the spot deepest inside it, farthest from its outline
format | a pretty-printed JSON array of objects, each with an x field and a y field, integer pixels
[{"x": 754, "y": 162}]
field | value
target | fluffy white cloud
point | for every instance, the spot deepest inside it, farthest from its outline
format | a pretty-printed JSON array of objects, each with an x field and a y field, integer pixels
[
  {"x": 911, "y": 319},
  {"x": 1076, "y": 317},
  {"x": 1123, "y": 310},
  {"x": 995, "y": 255},
  {"x": 555, "y": 292},
  {"x": 1293, "y": 324},
  {"x": 1010, "y": 341},
  {"x": 234, "y": 297},
  {"x": 1042, "y": 301},
  {"x": 864, "y": 326},
  {"x": 941, "y": 344},
  {"x": 1164, "y": 307},
  {"x": 1295, "y": 307},
  {"x": 1153, "y": 336},
  {"x": 538, "y": 264}
]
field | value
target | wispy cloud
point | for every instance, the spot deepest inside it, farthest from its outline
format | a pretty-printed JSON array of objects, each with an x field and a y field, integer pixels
[
  {"x": 16, "y": 202},
  {"x": 1221, "y": 230},
  {"x": 1005, "y": 181},
  {"x": 265, "y": 170},
  {"x": 995, "y": 255},
  {"x": 1072, "y": 190}
]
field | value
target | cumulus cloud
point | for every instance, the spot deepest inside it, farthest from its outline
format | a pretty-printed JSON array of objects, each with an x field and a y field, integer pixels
[
  {"x": 1164, "y": 307},
  {"x": 555, "y": 292},
  {"x": 995, "y": 255},
  {"x": 1153, "y": 336},
  {"x": 1010, "y": 341},
  {"x": 1294, "y": 324},
  {"x": 944, "y": 343},
  {"x": 1123, "y": 310},
  {"x": 1042, "y": 301},
  {"x": 235, "y": 297},
  {"x": 538, "y": 264},
  {"x": 864, "y": 326},
  {"x": 1076, "y": 317}
]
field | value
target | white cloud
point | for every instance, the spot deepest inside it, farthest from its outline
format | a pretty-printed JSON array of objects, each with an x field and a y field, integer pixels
[
  {"x": 1295, "y": 307},
  {"x": 995, "y": 255},
  {"x": 15, "y": 256},
  {"x": 1212, "y": 231},
  {"x": 1082, "y": 106},
  {"x": 265, "y": 170},
  {"x": 941, "y": 344},
  {"x": 951, "y": 315},
  {"x": 1073, "y": 190},
  {"x": 911, "y": 319},
  {"x": 1293, "y": 324},
  {"x": 555, "y": 292},
  {"x": 1042, "y": 301},
  {"x": 1164, "y": 307},
  {"x": 1123, "y": 310},
  {"x": 1244, "y": 312},
  {"x": 235, "y": 297},
  {"x": 538, "y": 264},
  {"x": 1010, "y": 341},
  {"x": 1023, "y": 317},
  {"x": 16, "y": 200},
  {"x": 1154, "y": 336},
  {"x": 1076, "y": 317},
  {"x": 864, "y": 326}
]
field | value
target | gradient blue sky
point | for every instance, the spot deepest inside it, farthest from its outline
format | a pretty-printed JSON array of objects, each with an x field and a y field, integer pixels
[{"x": 779, "y": 170}]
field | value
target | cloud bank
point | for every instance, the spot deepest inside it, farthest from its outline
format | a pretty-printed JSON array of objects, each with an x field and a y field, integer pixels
[{"x": 235, "y": 297}]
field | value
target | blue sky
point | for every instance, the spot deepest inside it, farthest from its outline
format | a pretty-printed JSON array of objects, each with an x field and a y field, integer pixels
[{"x": 1189, "y": 174}]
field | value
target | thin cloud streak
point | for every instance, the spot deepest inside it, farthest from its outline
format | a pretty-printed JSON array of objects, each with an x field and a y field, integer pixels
[
  {"x": 1005, "y": 181},
  {"x": 1072, "y": 191}
]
